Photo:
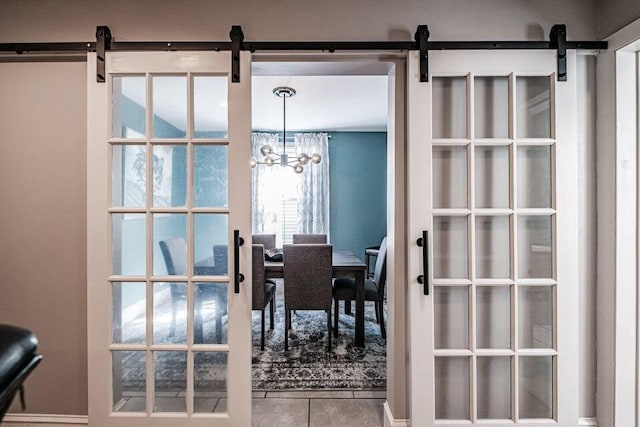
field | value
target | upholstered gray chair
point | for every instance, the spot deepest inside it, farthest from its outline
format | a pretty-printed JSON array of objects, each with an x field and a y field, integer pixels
[
  {"x": 309, "y": 238},
  {"x": 174, "y": 252},
  {"x": 266, "y": 240},
  {"x": 307, "y": 282},
  {"x": 344, "y": 289},
  {"x": 263, "y": 293}
]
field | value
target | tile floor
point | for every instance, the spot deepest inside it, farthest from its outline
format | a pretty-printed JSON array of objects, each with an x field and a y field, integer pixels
[
  {"x": 318, "y": 408},
  {"x": 324, "y": 408}
]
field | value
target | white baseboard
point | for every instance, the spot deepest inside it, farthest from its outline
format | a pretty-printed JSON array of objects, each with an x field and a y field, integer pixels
[
  {"x": 53, "y": 420},
  {"x": 44, "y": 420},
  {"x": 389, "y": 421}
]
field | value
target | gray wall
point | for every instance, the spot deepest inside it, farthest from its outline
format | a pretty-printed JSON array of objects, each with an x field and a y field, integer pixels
[
  {"x": 358, "y": 180},
  {"x": 43, "y": 127},
  {"x": 615, "y": 14},
  {"x": 43, "y": 237}
]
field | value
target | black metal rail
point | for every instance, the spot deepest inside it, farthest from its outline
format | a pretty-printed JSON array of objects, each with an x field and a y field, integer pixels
[{"x": 104, "y": 42}]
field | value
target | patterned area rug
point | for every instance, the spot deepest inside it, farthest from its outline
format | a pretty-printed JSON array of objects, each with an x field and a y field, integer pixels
[{"x": 308, "y": 364}]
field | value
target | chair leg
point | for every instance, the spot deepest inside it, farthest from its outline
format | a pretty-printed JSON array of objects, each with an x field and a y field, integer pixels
[
  {"x": 329, "y": 328},
  {"x": 272, "y": 311},
  {"x": 174, "y": 314},
  {"x": 383, "y": 330},
  {"x": 347, "y": 306},
  {"x": 377, "y": 312},
  {"x": 262, "y": 329},
  {"x": 335, "y": 317},
  {"x": 287, "y": 320}
]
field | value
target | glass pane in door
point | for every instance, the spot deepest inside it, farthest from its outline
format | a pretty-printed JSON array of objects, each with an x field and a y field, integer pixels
[
  {"x": 493, "y": 317},
  {"x": 491, "y": 102},
  {"x": 450, "y": 243},
  {"x": 170, "y": 380},
  {"x": 533, "y": 106},
  {"x": 452, "y": 388},
  {"x": 492, "y": 170},
  {"x": 129, "y": 381},
  {"x": 494, "y": 387},
  {"x": 450, "y": 177},
  {"x": 535, "y": 246},
  {"x": 169, "y": 106},
  {"x": 536, "y": 386},
  {"x": 493, "y": 255},
  {"x": 449, "y": 107},
  {"x": 210, "y": 380},
  {"x": 129, "y": 107},
  {"x": 451, "y": 317},
  {"x": 534, "y": 176}
]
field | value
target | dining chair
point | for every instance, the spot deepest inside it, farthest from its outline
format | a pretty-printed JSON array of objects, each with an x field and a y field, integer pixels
[
  {"x": 266, "y": 240},
  {"x": 344, "y": 289},
  {"x": 307, "y": 282},
  {"x": 263, "y": 292},
  {"x": 174, "y": 252},
  {"x": 309, "y": 238}
]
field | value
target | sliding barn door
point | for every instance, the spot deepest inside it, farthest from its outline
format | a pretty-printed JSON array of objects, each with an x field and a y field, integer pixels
[
  {"x": 492, "y": 192},
  {"x": 168, "y": 186}
]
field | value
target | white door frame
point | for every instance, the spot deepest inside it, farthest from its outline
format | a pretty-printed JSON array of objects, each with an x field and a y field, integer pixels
[
  {"x": 617, "y": 170},
  {"x": 99, "y": 269},
  {"x": 396, "y": 407}
]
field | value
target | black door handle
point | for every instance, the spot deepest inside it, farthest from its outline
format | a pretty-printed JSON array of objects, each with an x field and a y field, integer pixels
[
  {"x": 423, "y": 279},
  {"x": 237, "y": 276}
]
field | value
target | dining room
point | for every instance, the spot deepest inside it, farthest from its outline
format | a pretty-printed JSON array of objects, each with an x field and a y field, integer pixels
[{"x": 319, "y": 206}]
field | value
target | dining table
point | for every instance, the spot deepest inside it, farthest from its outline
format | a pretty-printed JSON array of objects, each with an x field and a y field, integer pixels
[{"x": 345, "y": 264}]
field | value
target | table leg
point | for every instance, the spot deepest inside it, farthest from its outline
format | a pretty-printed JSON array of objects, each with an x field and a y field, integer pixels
[{"x": 360, "y": 309}]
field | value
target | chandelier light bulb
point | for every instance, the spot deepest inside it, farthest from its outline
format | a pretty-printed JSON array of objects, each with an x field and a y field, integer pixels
[
  {"x": 303, "y": 158},
  {"x": 316, "y": 158},
  {"x": 298, "y": 168},
  {"x": 268, "y": 161},
  {"x": 266, "y": 150},
  {"x": 253, "y": 162}
]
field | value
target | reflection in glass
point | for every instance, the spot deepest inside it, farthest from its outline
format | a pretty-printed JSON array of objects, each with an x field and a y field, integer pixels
[
  {"x": 535, "y": 318},
  {"x": 493, "y": 317},
  {"x": 129, "y": 175},
  {"x": 449, "y": 96},
  {"x": 210, "y": 110},
  {"x": 129, "y": 381},
  {"x": 128, "y": 244},
  {"x": 210, "y": 170},
  {"x": 169, "y": 175},
  {"x": 169, "y": 313},
  {"x": 169, "y": 107},
  {"x": 211, "y": 322},
  {"x": 211, "y": 237},
  {"x": 451, "y": 317},
  {"x": 171, "y": 230},
  {"x": 129, "y": 107},
  {"x": 450, "y": 245},
  {"x": 492, "y": 176},
  {"x": 535, "y": 248},
  {"x": 491, "y": 103},
  {"x": 533, "y": 107},
  {"x": 129, "y": 312},
  {"x": 536, "y": 386},
  {"x": 210, "y": 380},
  {"x": 493, "y": 256},
  {"x": 449, "y": 177},
  {"x": 452, "y": 388},
  {"x": 534, "y": 176},
  {"x": 170, "y": 381},
  {"x": 494, "y": 387}
]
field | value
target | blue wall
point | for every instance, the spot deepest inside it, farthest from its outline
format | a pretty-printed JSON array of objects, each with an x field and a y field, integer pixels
[{"x": 358, "y": 173}]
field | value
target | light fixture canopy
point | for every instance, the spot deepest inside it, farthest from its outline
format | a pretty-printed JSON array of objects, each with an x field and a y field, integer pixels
[{"x": 270, "y": 157}]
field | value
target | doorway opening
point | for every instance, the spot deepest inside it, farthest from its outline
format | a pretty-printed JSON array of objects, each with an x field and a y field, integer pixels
[{"x": 341, "y": 110}]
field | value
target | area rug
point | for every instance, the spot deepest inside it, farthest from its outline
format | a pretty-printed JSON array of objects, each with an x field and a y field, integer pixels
[{"x": 307, "y": 365}]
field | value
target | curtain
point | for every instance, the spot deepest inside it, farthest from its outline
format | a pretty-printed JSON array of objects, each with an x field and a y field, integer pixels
[
  {"x": 313, "y": 203},
  {"x": 264, "y": 215}
]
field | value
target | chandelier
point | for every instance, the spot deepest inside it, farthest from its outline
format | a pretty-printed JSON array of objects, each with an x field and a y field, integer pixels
[{"x": 270, "y": 157}]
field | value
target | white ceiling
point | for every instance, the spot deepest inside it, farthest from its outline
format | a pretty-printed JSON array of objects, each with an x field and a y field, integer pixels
[{"x": 322, "y": 103}]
